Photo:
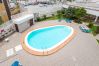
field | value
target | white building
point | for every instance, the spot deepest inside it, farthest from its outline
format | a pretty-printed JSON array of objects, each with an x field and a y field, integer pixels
[{"x": 87, "y": 0}]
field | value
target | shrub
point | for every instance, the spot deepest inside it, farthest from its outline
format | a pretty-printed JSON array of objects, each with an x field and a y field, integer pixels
[
  {"x": 88, "y": 18},
  {"x": 44, "y": 17},
  {"x": 80, "y": 12},
  {"x": 97, "y": 30},
  {"x": 94, "y": 28},
  {"x": 90, "y": 25},
  {"x": 53, "y": 15},
  {"x": 97, "y": 41},
  {"x": 75, "y": 13},
  {"x": 38, "y": 19},
  {"x": 70, "y": 12},
  {"x": 78, "y": 21},
  {"x": 70, "y": 0},
  {"x": 59, "y": 14}
]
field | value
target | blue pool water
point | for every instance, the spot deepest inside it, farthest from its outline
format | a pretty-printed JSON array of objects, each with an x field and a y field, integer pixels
[{"x": 45, "y": 38}]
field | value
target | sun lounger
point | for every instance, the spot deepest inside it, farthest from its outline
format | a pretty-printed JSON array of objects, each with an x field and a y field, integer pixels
[
  {"x": 9, "y": 52},
  {"x": 16, "y": 63},
  {"x": 6, "y": 40},
  {"x": 85, "y": 29},
  {"x": 18, "y": 48},
  {"x": 68, "y": 20}
]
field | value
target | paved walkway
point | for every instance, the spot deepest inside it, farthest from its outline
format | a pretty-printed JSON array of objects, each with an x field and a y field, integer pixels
[
  {"x": 97, "y": 36},
  {"x": 83, "y": 50}
]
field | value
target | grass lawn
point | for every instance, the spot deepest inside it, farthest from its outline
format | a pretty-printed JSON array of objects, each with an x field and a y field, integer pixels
[{"x": 51, "y": 18}]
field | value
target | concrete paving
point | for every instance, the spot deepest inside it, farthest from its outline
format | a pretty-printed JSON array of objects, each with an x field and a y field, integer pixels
[
  {"x": 97, "y": 36},
  {"x": 83, "y": 50}
]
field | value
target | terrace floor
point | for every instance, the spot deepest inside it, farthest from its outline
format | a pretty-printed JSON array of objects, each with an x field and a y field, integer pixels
[
  {"x": 83, "y": 50},
  {"x": 97, "y": 36}
]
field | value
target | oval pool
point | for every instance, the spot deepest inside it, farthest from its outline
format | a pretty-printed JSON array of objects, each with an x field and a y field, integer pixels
[{"x": 47, "y": 40}]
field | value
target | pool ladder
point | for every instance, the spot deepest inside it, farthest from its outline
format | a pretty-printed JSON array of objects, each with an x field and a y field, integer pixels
[{"x": 44, "y": 51}]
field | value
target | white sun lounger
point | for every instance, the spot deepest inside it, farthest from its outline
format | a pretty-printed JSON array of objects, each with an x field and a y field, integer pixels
[
  {"x": 18, "y": 48},
  {"x": 10, "y": 52},
  {"x": 6, "y": 40}
]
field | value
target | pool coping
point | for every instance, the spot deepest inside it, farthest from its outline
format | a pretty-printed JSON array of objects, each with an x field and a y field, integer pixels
[{"x": 57, "y": 48}]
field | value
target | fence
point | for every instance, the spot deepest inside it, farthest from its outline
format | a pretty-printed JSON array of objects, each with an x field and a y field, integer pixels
[{"x": 6, "y": 29}]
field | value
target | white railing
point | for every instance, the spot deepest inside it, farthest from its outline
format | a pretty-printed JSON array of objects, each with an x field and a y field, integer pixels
[{"x": 6, "y": 29}]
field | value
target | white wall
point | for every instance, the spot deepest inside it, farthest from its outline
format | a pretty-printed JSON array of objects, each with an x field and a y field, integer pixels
[
  {"x": 95, "y": 0},
  {"x": 23, "y": 26}
]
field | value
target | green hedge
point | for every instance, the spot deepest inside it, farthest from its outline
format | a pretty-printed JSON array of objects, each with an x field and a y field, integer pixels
[
  {"x": 94, "y": 29},
  {"x": 90, "y": 25},
  {"x": 97, "y": 41},
  {"x": 44, "y": 17}
]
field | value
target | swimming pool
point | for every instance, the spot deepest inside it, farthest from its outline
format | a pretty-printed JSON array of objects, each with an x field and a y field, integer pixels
[{"x": 43, "y": 40}]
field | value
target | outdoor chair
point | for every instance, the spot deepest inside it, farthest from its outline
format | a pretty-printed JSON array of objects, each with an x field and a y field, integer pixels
[
  {"x": 6, "y": 40},
  {"x": 68, "y": 20},
  {"x": 85, "y": 29},
  {"x": 16, "y": 63}
]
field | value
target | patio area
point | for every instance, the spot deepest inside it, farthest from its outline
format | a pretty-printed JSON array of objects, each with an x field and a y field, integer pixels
[{"x": 82, "y": 50}]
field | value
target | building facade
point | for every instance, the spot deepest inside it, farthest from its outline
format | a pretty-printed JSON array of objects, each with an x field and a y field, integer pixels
[
  {"x": 3, "y": 13},
  {"x": 86, "y": 0},
  {"x": 6, "y": 11}
]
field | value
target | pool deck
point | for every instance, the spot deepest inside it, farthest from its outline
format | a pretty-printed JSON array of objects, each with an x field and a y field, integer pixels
[{"x": 82, "y": 50}]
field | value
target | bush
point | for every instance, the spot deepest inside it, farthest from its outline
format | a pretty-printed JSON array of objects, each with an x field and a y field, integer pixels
[
  {"x": 76, "y": 14},
  {"x": 70, "y": 0},
  {"x": 78, "y": 21},
  {"x": 38, "y": 19},
  {"x": 97, "y": 30},
  {"x": 80, "y": 12},
  {"x": 94, "y": 28},
  {"x": 44, "y": 17},
  {"x": 70, "y": 12},
  {"x": 53, "y": 15},
  {"x": 59, "y": 14},
  {"x": 97, "y": 41},
  {"x": 90, "y": 25},
  {"x": 88, "y": 18}
]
